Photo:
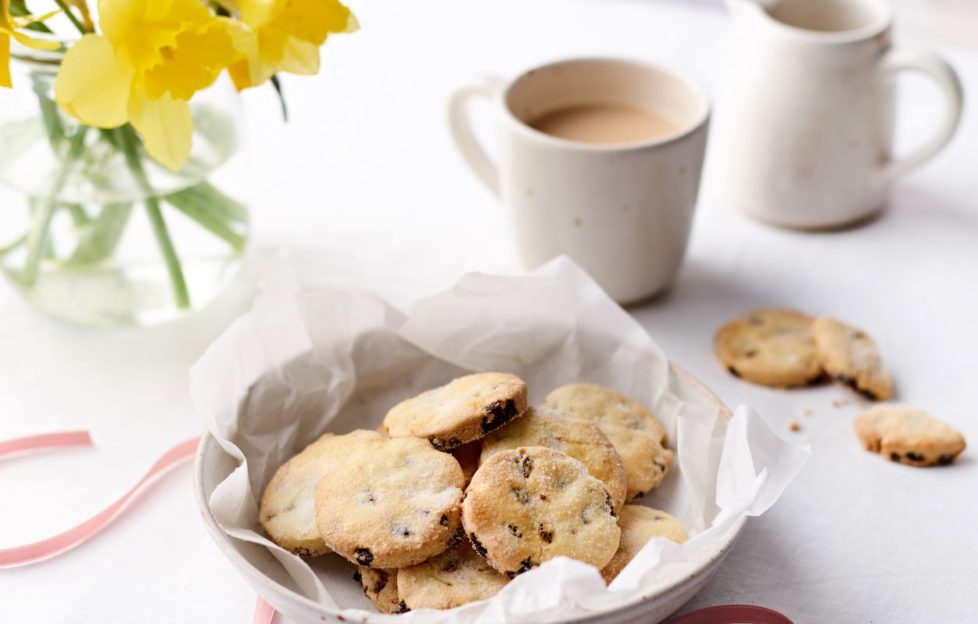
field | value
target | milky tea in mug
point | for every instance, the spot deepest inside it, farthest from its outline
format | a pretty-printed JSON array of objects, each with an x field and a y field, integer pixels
[
  {"x": 605, "y": 123},
  {"x": 599, "y": 160}
]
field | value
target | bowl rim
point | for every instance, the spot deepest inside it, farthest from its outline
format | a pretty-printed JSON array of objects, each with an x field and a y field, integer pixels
[{"x": 266, "y": 584}]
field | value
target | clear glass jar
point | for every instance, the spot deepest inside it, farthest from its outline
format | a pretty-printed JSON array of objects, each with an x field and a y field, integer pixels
[{"x": 95, "y": 232}]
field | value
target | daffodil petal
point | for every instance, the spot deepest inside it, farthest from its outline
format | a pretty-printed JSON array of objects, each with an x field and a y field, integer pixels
[
  {"x": 352, "y": 24},
  {"x": 93, "y": 85},
  {"x": 240, "y": 73},
  {"x": 5, "y": 80},
  {"x": 166, "y": 127},
  {"x": 300, "y": 57}
]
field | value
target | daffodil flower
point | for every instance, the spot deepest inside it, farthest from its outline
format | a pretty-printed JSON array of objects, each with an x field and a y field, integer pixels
[
  {"x": 8, "y": 30},
  {"x": 150, "y": 59},
  {"x": 288, "y": 34}
]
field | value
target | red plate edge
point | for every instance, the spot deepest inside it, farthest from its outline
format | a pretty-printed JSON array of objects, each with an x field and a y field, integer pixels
[{"x": 732, "y": 614}]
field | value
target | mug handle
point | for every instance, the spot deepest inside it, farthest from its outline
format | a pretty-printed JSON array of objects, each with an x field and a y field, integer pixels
[
  {"x": 947, "y": 80},
  {"x": 459, "y": 122}
]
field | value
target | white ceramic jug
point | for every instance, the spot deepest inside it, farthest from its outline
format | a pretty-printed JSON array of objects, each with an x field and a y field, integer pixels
[{"x": 805, "y": 130}]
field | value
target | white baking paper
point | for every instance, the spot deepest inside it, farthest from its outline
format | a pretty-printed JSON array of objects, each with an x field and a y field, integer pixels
[{"x": 310, "y": 358}]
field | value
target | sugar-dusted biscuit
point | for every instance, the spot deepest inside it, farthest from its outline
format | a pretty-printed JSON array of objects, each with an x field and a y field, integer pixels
[
  {"x": 380, "y": 587},
  {"x": 527, "y": 505},
  {"x": 461, "y": 411},
  {"x": 604, "y": 406},
  {"x": 582, "y": 440},
  {"x": 394, "y": 503},
  {"x": 635, "y": 433},
  {"x": 455, "y": 577},
  {"x": 645, "y": 459},
  {"x": 467, "y": 456},
  {"x": 640, "y": 524},
  {"x": 287, "y": 509}
]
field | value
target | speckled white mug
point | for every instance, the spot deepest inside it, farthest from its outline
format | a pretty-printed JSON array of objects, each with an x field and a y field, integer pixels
[{"x": 622, "y": 211}]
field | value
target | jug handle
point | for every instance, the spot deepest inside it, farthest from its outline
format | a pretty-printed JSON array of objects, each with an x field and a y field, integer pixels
[{"x": 949, "y": 84}]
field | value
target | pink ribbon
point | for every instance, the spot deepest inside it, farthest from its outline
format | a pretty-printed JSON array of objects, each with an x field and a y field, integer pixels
[{"x": 78, "y": 535}]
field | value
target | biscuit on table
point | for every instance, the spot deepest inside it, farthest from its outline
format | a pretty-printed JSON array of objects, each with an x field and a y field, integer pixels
[
  {"x": 394, "y": 503},
  {"x": 640, "y": 524},
  {"x": 770, "y": 346},
  {"x": 528, "y": 505},
  {"x": 461, "y": 411},
  {"x": 287, "y": 509},
  {"x": 908, "y": 435},
  {"x": 580, "y": 439},
  {"x": 455, "y": 577},
  {"x": 850, "y": 356}
]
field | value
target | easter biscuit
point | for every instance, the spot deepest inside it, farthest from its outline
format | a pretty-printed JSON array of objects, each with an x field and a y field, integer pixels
[
  {"x": 604, "y": 406},
  {"x": 453, "y": 578},
  {"x": 380, "y": 587},
  {"x": 771, "y": 346},
  {"x": 640, "y": 524},
  {"x": 287, "y": 510},
  {"x": 394, "y": 503},
  {"x": 467, "y": 456},
  {"x": 636, "y": 434},
  {"x": 908, "y": 435},
  {"x": 527, "y": 505},
  {"x": 851, "y": 356},
  {"x": 645, "y": 459},
  {"x": 582, "y": 440},
  {"x": 461, "y": 411}
]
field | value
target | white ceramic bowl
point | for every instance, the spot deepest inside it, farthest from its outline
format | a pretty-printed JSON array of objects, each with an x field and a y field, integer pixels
[{"x": 212, "y": 465}]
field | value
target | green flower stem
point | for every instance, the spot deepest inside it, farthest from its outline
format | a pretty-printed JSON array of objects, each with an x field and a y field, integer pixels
[
  {"x": 130, "y": 148},
  {"x": 38, "y": 239},
  {"x": 74, "y": 18}
]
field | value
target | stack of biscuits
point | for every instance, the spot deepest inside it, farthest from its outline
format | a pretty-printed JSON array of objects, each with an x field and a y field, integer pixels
[{"x": 465, "y": 486}]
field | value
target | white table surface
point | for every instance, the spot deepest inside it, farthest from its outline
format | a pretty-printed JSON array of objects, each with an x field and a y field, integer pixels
[{"x": 367, "y": 173}]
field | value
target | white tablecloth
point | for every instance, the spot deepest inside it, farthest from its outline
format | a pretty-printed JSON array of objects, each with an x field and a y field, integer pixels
[{"x": 367, "y": 173}]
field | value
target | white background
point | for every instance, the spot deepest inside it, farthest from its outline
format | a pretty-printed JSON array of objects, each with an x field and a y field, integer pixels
[{"x": 366, "y": 172}]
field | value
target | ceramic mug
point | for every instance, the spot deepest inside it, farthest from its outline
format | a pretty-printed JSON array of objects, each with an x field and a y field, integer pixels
[
  {"x": 622, "y": 211},
  {"x": 805, "y": 132}
]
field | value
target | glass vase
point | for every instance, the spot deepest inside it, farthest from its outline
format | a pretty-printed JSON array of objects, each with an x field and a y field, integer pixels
[{"x": 92, "y": 230}]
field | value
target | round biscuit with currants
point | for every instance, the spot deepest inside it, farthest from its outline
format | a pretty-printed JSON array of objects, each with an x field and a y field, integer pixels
[
  {"x": 287, "y": 510},
  {"x": 908, "y": 435},
  {"x": 632, "y": 429},
  {"x": 770, "y": 346},
  {"x": 528, "y": 505},
  {"x": 394, "y": 503},
  {"x": 582, "y": 440},
  {"x": 453, "y": 578},
  {"x": 463, "y": 410},
  {"x": 639, "y": 525}
]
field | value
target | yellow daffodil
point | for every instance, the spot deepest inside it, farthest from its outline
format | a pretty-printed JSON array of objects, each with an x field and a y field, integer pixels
[
  {"x": 288, "y": 34},
  {"x": 150, "y": 59},
  {"x": 8, "y": 30}
]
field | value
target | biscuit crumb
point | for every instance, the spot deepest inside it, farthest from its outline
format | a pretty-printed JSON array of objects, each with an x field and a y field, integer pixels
[
  {"x": 794, "y": 425},
  {"x": 837, "y": 403},
  {"x": 806, "y": 412}
]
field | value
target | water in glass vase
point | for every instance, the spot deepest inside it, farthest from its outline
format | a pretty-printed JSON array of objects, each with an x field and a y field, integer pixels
[{"x": 95, "y": 232}]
